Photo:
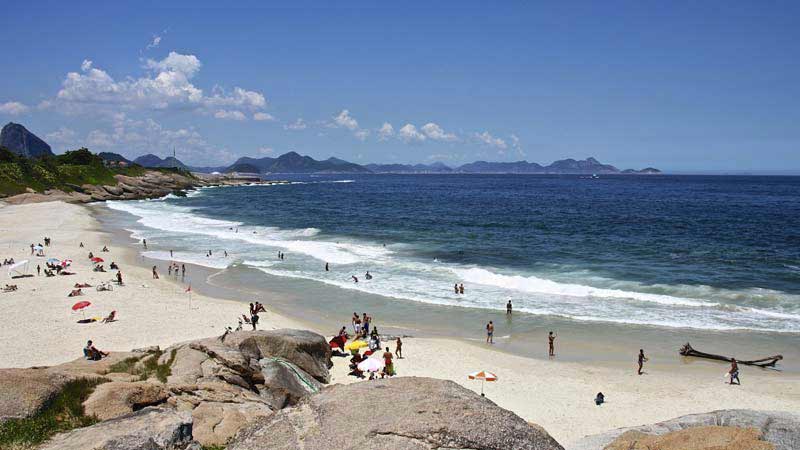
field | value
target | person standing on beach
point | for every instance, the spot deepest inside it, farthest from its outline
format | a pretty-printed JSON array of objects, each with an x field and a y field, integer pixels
[
  {"x": 398, "y": 349},
  {"x": 356, "y": 324},
  {"x": 183, "y": 270},
  {"x": 642, "y": 359},
  {"x": 119, "y": 277},
  {"x": 254, "y": 320},
  {"x": 734, "y": 372},
  {"x": 551, "y": 339},
  {"x": 490, "y": 333},
  {"x": 170, "y": 253},
  {"x": 144, "y": 242},
  {"x": 38, "y": 270},
  {"x": 155, "y": 273},
  {"x": 508, "y": 308}
]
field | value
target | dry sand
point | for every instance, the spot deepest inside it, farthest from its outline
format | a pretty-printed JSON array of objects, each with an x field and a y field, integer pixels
[{"x": 38, "y": 328}]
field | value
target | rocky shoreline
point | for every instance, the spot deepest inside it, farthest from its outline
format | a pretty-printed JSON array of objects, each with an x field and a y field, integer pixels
[{"x": 152, "y": 184}]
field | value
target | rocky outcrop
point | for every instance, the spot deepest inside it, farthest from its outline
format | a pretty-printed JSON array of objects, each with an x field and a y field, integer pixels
[
  {"x": 19, "y": 140},
  {"x": 261, "y": 389},
  {"x": 305, "y": 349},
  {"x": 400, "y": 413},
  {"x": 698, "y": 438},
  {"x": 120, "y": 398},
  {"x": 780, "y": 429},
  {"x": 150, "y": 429}
]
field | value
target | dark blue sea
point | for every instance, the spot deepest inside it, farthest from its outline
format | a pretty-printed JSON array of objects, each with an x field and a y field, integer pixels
[{"x": 704, "y": 252}]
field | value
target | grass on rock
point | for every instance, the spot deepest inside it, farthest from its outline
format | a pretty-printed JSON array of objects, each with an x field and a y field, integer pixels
[
  {"x": 148, "y": 368},
  {"x": 64, "y": 413}
]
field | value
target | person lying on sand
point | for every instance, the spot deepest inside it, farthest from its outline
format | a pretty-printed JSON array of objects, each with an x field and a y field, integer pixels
[
  {"x": 10, "y": 288},
  {"x": 75, "y": 293},
  {"x": 93, "y": 353},
  {"x": 113, "y": 266},
  {"x": 105, "y": 249},
  {"x": 82, "y": 285}
]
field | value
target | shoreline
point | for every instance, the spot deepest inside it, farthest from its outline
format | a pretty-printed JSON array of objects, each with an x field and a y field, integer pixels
[{"x": 554, "y": 394}]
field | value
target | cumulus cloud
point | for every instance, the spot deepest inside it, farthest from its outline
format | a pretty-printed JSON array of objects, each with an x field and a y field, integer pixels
[
  {"x": 167, "y": 85},
  {"x": 13, "y": 108},
  {"x": 385, "y": 131},
  {"x": 230, "y": 115},
  {"x": 264, "y": 151},
  {"x": 297, "y": 125},
  {"x": 515, "y": 144},
  {"x": 344, "y": 119},
  {"x": 409, "y": 133},
  {"x": 490, "y": 140},
  {"x": 435, "y": 132},
  {"x": 263, "y": 117}
]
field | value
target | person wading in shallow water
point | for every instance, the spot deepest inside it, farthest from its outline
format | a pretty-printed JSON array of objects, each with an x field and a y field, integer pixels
[{"x": 490, "y": 333}]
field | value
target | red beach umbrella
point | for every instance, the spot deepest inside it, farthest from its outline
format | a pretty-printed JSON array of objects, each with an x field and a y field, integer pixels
[
  {"x": 80, "y": 306},
  {"x": 97, "y": 259}
]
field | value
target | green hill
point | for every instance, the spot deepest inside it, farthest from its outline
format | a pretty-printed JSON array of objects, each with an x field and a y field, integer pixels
[{"x": 65, "y": 172}]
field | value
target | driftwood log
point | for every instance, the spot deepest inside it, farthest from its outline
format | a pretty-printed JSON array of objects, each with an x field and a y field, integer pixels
[{"x": 770, "y": 361}]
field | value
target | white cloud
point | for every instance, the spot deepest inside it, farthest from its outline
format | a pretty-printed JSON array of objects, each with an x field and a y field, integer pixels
[
  {"x": 361, "y": 135},
  {"x": 263, "y": 117},
  {"x": 344, "y": 119},
  {"x": 409, "y": 133},
  {"x": 515, "y": 144},
  {"x": 63, "y": 137},
  {"x": 490, "y": 140},
  {"x": 230, "y": 115},
  {"x": 264, "y": 151},
  {"x": 297, "y": 125},
  {"x": 13, "y": 108},
  {"x": 155, "y": 42},
  {"x": 385, "y": 131},
  {"x": 99, "y": 139},
  {"x": 435, "y": 132},
  {"x": 166, "y": 86}
]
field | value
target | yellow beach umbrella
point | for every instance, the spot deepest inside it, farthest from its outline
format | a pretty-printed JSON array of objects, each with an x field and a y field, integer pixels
[{"x": 355, "y": 345}]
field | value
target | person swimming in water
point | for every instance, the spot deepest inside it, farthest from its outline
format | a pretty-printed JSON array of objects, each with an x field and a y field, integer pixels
[
  {"x": 368, "y": 276},
  {"x": 355, "y": 279}
]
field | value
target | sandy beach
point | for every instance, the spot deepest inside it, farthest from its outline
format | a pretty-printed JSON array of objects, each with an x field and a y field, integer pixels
[{"x": 39, "y": 328}]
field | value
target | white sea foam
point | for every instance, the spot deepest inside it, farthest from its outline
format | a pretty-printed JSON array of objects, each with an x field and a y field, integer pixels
[{"x": 213, "y": 262}]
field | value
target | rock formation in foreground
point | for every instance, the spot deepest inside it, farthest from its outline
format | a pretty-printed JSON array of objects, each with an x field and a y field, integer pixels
[
  {"x": 19, "y": 140},
  {"x": 259, "y": 390},
  {"x": 734, "y": 429}
]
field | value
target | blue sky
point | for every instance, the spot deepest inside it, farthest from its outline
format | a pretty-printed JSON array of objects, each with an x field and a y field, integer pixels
[{"x": 677, "y": 85}]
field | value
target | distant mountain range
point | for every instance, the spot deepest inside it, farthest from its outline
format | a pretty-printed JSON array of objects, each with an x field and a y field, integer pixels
[{"x": 293, "y": 162}]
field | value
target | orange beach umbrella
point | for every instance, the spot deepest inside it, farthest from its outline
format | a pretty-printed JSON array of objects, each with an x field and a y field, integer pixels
[{"x": 483, "y": 376}]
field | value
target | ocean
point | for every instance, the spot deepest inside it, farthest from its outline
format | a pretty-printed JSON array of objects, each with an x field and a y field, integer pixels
[{"x": 678, "y": 252}]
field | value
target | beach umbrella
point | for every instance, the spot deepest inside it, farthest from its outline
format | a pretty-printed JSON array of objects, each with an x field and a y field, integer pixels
[
  {"x": 38, "y": 247},
  {"x": 97, "y": 259},
  {"x": 53, "y": 261},
  {"x": 66, "y": 262},
  {"x": 355, "y": 345},
  {"x": 19, "y": 268},
  {"x": 370, "y": 365},
  {"x": 81, "y": 306},
  {"x": 483, "y": 376}
]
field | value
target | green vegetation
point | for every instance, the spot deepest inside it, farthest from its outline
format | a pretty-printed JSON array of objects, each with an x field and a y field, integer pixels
[
  {"x": 66, "y": 172},
  {"x": 64, "y": 413},
  {"x": 149, "y": 366}
]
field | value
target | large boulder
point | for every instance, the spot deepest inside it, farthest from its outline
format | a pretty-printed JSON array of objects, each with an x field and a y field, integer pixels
[
  {"x": 781, "y": 429},
  {"x": 285, "y": 384},
  {"x": 216, "y": 423},
  {"x": 19, "y": 140},
  {"x": 405, "y": 413},
  {"x": 25, "y": 392},
  {"x": 305, "y": 349},
  {"x": 148, "y": 429},
  {"x": 697, "y": 438},
  {"x": 119, "y": 398}
]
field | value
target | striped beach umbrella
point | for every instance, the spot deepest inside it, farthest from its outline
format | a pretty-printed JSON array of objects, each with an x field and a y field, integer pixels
[{"x": 483, "y": 376}]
